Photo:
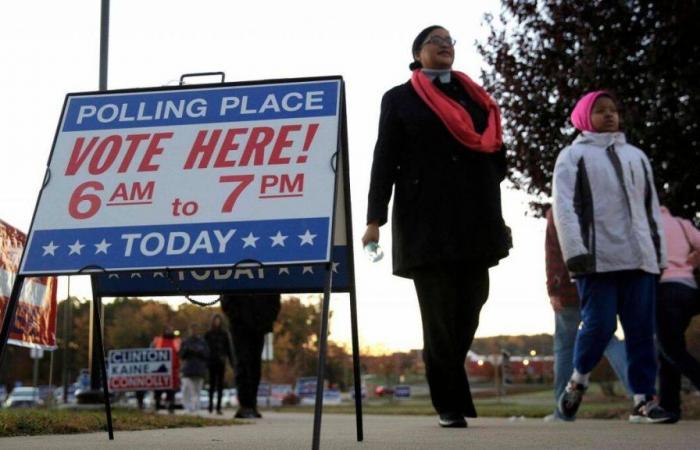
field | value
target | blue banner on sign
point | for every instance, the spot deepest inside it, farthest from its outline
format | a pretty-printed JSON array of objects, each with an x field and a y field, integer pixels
[
  {"x": 230, "y": 104},
  {"x": 282, "y": 279},
  {"x": 167, "y": 246}
]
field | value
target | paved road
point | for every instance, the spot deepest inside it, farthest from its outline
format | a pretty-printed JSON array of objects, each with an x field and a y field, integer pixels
[{"x": 293, "y": 431}]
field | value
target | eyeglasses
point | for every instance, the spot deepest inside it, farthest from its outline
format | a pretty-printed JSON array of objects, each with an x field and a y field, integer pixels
[{"x": 438, "y": 40}]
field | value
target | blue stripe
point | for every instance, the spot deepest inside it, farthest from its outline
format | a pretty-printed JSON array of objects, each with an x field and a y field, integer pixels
[
  {"x": 282, "y": 279},
  {"x": 142, "y": 109},
  {"x": 146, "y": 247}
]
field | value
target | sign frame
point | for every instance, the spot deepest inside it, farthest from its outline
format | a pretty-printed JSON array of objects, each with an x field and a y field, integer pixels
[
  {"x": 340, "y": 166},
  {"x": 93, "y": 268}
]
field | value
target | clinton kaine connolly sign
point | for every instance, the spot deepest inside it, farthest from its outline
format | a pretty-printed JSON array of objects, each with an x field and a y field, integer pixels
[
  {"x": 189, "y": 178},
  {"x": 137, "y": 369}
]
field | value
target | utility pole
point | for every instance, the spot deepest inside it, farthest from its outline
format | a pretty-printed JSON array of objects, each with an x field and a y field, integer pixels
[{"x": 96, "y": 304}]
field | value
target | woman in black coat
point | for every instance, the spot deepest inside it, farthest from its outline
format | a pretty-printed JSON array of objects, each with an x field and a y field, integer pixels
[{"x": 440, "y": 149}]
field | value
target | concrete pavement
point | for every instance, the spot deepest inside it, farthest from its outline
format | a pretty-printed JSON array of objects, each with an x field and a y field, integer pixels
[{"x": 293, "y": 431}]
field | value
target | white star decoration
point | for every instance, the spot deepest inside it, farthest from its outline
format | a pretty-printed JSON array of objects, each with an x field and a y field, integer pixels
[
  {"x": 102, "y": 247},
  {"x": 50, "y": 249},
  {"x": 75, "y": 248},
  {"x": 278, "y": 239},
  {"x": 307, "y": 238},
  {"x": 250, "y": 240},
  {"x": 335, "y": 267}
]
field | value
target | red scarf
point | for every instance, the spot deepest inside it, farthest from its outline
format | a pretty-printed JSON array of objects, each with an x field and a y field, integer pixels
[{"x": 457, "y": 119}]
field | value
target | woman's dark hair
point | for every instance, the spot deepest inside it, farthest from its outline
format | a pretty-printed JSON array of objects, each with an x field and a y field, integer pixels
[{"x": 418, "y": 43}]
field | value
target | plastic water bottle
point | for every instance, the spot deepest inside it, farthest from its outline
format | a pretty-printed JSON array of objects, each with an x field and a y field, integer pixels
[{"x": 374, "y": 251}]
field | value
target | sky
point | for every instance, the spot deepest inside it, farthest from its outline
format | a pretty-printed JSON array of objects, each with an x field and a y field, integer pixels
[{"x": 51, "y": 48}]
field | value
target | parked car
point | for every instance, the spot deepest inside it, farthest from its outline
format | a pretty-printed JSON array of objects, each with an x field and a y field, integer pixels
[
  {"x": 383, "y": 391},
  {"x": 23, "y": 397}
]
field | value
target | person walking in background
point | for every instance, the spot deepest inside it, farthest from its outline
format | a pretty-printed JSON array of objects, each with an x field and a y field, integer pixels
[
  {"x": 440, "y": 150},
  {"x": 609, "y": 225},
  {"x": 250, "y": 316},
  {"x": 567, "y": 317},
  {"x": 678, "y": 303},
  {"x": 194, "y": 353},
  {"x": 219, "y": 352},
  {"x": 169, "y": 340}
]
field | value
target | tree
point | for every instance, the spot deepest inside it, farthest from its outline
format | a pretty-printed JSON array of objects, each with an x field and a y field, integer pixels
[
  {"x": 545, "y": 54},
  {"x": 296, "y": 339}
]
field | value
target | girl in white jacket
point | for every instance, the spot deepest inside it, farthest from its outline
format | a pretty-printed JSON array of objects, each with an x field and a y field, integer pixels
[{"x": 607, "y": 217}]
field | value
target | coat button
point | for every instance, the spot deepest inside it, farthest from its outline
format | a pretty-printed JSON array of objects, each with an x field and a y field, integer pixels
[
  {"x": 455, "y": 158},
  {"x": 415, "y": 181}
]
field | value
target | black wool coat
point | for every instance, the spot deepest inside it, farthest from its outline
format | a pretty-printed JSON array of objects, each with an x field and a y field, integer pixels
[{"x": 447, "y": 199}]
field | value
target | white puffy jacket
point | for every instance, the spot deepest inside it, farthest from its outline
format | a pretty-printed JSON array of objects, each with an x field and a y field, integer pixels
[{"x": 606, "y": 210}]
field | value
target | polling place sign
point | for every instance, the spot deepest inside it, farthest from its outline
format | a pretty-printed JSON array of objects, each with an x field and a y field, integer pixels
[
  {"x": 140, "y": 369},
  {"x": 190, "y": 177}
]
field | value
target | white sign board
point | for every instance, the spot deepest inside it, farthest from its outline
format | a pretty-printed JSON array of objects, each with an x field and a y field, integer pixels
[
  {"x": 190, "y": 178},
  {"x": 140, "y": 369}
]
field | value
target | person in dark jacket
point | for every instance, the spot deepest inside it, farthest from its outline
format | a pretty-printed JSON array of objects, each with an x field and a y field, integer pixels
[
  {"x": 219, "y": 352},
  {"x": 251, "y": 316},
  {"x": 440, "y": 150},
  {"x": 194, "y": 354}
]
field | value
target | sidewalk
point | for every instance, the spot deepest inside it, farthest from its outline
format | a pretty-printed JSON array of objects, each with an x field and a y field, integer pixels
[{"x": 293, "y": 431}]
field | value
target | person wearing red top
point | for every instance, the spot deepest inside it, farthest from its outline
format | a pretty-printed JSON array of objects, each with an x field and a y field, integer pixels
[
  {"x": 565, "y": 302},
  {"x": 169, "y": 340}
]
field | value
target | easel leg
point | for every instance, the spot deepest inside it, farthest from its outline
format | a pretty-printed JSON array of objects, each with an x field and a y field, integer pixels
[
  {"x": 101, "y": 362},
  {"x": 10, "y": 314},
  {"x": 356, "y": 365},
  {"x": 322, "y": 350}
]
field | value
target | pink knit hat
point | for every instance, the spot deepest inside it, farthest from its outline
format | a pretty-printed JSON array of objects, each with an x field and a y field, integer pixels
[{"x": 581, "y": 115}]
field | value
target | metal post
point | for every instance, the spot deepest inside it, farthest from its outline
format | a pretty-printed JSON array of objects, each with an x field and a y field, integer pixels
[
  {"x": 67, "y": 313},
  {"x": 100, "y": 357},
  {"x": 35, "y": 375},
  {"x": 96, "y": 330},
  {"x": 10, "y": 314},
  {"x": 51, "y": 396},
  {"x": 104, "y": 59},
  {"x": 356, "y": 365},
  {"x": 345, "y": 167},
  {"x": 104, "y": 44},
  {"x": 322, "y": 350}
]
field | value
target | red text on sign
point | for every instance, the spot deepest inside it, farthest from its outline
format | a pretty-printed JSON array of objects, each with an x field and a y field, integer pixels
[
  {"x": 101, "y": 154},
  {"x": 255, "y": 146},
  {"x": 281, "y": 186}
]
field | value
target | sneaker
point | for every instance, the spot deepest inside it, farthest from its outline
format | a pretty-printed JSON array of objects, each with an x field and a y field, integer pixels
[
  {"x": 570, "y": 400},
  {"x": 452, "y": 420},
  {"x": 649, "y": 411},
  {"x": 555, "y": 417}
]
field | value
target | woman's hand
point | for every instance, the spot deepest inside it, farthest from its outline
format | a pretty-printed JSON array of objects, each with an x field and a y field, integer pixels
[{"x": 371, "y": 234}]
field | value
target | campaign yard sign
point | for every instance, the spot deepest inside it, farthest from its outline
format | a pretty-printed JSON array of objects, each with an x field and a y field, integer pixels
[
  {"x": 190, "y": 177},
  {"x": 140, "y": 369},
  {"x": 34, "y": 324}
]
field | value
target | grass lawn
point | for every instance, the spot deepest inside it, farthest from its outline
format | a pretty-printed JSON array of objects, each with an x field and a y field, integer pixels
[
  {"x": 531, "y": 404},
  {"x": 25, "y": 422}
]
